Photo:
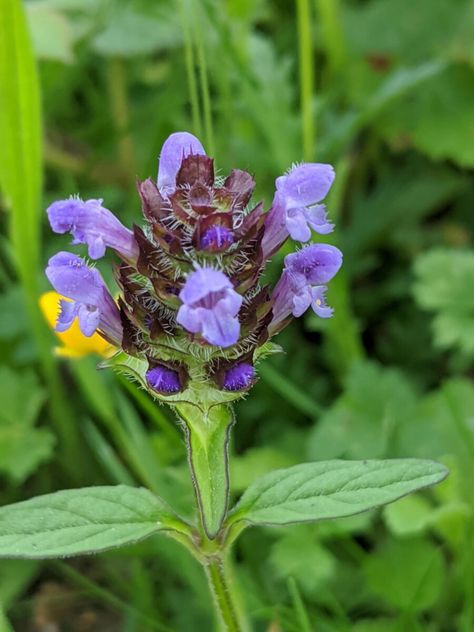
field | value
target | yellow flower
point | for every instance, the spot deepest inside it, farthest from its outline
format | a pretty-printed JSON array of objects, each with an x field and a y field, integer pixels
[{"x": 74, "y": 343}]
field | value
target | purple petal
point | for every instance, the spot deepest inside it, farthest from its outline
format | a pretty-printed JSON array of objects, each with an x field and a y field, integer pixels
[
  {"x": 216, "y": 238},
  {"x": 230, "y": 303},
  {"x": 92, "y": 224},
  {"x": 319, "y": 302},
  {"x": 93, "y": 304},
  {"x": 301, "y": 301},
  {"x": 317, "y": 219},
  {"x": 239, "y": 377},
  {"x": 89, "y": 318},
  {"x": 189, "y": 318},
  {"x": 276, "y": 231},
  {"x": 67, "y": 314},
  {"x": 175, "y": 148},
  {"x": 297, "y": 224},
  {"x": 317, "y": 263},
  {"x": 307, "y": 183},
  {"x": 202, "y": 282},
  {"x": 220, "y": 329},
  {"x": 163, "y": 380},
  {"x": 71, "y": 277}
]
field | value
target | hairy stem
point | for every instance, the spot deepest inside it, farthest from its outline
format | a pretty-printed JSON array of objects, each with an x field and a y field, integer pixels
[{"x": 222, "y": 592}]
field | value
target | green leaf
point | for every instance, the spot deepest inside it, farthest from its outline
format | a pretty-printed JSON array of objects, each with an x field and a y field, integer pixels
[
  {"x": 332, "y": 489},
  {"x": 20, "y": 140},
  {"x": 442, "y": 277},
  {"x": 15, "y": 577},
  {"x": 362, "y": 421},
  {"x": 207, "y": 438},
  {"x": 407, "y": 574},
  {"x": 129, "y": 32},
  {"x": 436, "y": 118},
  {"x": 299, "y": 554},
  {"x": 410, "y": 516},
  {"x": 51, "y": 33},
  {"x": 81, "y": 521},
  {"x": 22, "y": 446},
  {"x": 428, "y": 28}
]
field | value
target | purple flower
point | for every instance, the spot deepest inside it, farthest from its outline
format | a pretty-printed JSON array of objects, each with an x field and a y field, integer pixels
[
  {"x": 91, "y": 303},
  {"x": 175, "y": 148},
  {"x": 302, "y": 283},
  {"x": 216, "y": 238},
  {"x": 295, "y": 209},
  {"x": 163, "y": 380},
  {"x": 210, "y": 307},
  {"x": 239, "y": 376},
  {"x": 92, "y": 224}
]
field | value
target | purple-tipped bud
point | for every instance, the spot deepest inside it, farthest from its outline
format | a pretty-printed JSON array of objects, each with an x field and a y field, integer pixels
[
  {"x": 239, "y": 377},
  {"x": 210, "y": 307},
  {"x": 216, "y": 238},
  {"x": 175, "y": 148},
  {"x": 91, "y": 301},
  {"x": 293, "y": 210},
  {"x": 302, "y": 283},
  {"x": 163, "y": 380},
  {"x": 92, "y": 224}
]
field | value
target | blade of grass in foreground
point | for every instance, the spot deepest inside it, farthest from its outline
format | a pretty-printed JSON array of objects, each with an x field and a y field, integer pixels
[{"x": 21, "y": 183}]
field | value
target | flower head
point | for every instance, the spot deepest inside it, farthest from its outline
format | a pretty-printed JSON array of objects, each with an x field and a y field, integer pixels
[
  {"x": 90, "y": 300},
  {"x": 192, "y": 311},
  {"x": 92, "y": 224},
  {"x": 210, "y": 306}
]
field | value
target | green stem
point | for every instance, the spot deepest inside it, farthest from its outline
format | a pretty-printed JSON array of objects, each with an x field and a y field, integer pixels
[
  {"x": 120, "y": 113},
  {"x": 222, "y": 592},
  {"x": 190, "y": 73},
  {"x": 205, "y": 91},
  {"x": 306, "y": 77},
  {"x": 332, "y": 34}
]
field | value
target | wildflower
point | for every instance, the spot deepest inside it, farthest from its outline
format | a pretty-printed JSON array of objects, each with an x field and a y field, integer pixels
[
  {"x": 92, "y": 224},
  {"x": 302, "y": 283},
  {"x": 191, "y": 315},
  {"x": 74, "y": 343},
  {"x": 295, "y": 209},
  {"x": 91, "y": 302},
  {"x": 210, "y": 307}
]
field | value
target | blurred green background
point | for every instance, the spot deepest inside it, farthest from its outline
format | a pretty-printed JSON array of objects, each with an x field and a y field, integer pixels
[{"x": 382, "y": 89}]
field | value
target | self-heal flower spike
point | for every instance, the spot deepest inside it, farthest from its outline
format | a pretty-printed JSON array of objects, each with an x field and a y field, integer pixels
[
  {"x": 295, "y": 208},
  {"x": 210, "y": 307},
  {"x": 90, "y": 302},
  {"x": 192, "y": 318},
  {"x": 92, "y": 224}
]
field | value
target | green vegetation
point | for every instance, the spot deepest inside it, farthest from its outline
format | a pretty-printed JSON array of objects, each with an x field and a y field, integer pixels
[{"x": 382, "y": 89}]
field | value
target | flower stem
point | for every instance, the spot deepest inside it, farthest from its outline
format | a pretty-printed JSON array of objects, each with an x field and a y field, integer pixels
[
  {"x": 221, "y": 589},
  {"x": 306, "y": 77}
]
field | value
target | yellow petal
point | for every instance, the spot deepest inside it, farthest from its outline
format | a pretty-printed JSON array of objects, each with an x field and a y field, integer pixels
[{"x": 74, "y": 343}]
